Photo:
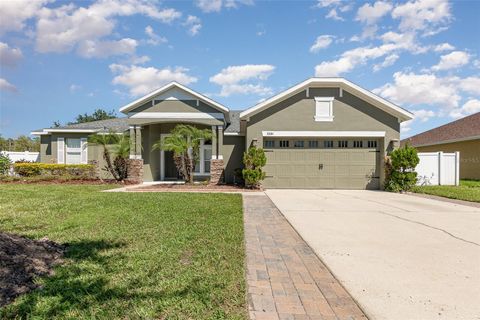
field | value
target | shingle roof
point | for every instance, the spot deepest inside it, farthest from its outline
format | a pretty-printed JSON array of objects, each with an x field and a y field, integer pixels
[
  {"x": 462, "y": 129},
  {"x": 115, "y": 124},
  {"x": 234, "y": 125}
]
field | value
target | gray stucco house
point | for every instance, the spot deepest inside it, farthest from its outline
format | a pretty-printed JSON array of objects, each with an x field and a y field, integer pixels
[{"x": 320, "y": 133}]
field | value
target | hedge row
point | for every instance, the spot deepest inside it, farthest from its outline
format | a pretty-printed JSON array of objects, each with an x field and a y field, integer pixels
[{"x": 52, "y": 169}]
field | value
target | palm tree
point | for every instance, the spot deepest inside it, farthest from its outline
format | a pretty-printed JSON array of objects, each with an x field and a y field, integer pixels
[
  {"x": 184, "y": 141},
  {"x": 119, "y": 146}
]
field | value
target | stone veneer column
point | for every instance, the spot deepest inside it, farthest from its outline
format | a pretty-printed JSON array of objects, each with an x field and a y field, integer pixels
[
  {"x": 217, "y": 163},
  {"x": 216, "y": 171},
  {"x": 135, "y": 171}
]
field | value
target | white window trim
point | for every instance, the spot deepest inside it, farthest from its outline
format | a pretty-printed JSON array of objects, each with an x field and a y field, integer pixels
[
  {"x": 330, "y": 111},
  {"x": 61, "y": 150},
  {"x": 203, "y": 147},
  {"x": 72, "y": 150}
]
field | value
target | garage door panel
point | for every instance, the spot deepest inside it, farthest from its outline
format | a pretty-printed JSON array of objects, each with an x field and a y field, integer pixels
[{"x": 349, "y": 168}]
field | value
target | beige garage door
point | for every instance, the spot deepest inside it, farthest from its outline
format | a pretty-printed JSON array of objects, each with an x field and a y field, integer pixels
[{"x": 327, "y": 168}]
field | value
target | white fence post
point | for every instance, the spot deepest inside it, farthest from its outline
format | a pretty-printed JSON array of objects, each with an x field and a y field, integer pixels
[
  {"x": 457, "y": 168},
  {"x": 440, "y": 168}
]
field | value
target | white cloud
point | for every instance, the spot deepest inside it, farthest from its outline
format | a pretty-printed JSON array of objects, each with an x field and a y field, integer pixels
[
  {"x": 321, "y": 42},
  {"x": 141, "y": 80},
  {"x": 332, "y": 14},
  {"x": 67, "y": 27},
  {"x": 424, "y": 15},
  {"x": 470, "y": 107},
  {"x": 14, "y": 14},
  {"x": 194, "y": 24},
  {"x": 7, "y": 86},
  {"x": 327, "y": 3},
  {"x": 208, "y": 6},
  {"x": 103, "y": 49},
  {"x": 423, "y": 115},
  {"x": 139, "y": 60},
  {"x": 420, "y": 89},
  {"x": 154, "y": 39},
  {"x": 238, "y": 79},
  {"x": 74, "y": 88},
  {"x": 394, "y": 43},
  {"x": 334, "y": 5},
  {"x": 452, "y": 60},
  {"x": 9, "y": 56},
  {"x": 476, "y": 63},
  {"x": 389, "y": 60},
  {"x": 370, "y": 14},
  {"x": 443, "y": 47},
  {"x": 469, "y": 84}
]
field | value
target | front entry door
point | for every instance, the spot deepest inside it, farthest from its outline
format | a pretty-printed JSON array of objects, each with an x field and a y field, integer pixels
[{"x": 170, "y": 168}]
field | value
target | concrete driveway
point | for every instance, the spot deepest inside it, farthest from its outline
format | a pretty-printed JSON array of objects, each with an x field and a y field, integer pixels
[{"x": 399, "y": 256}]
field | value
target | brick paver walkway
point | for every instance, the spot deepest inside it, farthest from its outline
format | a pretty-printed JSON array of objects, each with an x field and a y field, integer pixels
[{"x": 286, "y": 280}]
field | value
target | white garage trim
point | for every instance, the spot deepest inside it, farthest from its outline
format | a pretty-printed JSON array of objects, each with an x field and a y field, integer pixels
[{"x": 378, "y": 134}]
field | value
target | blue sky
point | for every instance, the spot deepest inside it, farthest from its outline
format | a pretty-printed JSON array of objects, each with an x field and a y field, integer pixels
[{"x": 61, "y": 58}]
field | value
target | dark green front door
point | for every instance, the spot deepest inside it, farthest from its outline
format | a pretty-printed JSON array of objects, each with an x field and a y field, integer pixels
[{"x": 170, "y": 168}]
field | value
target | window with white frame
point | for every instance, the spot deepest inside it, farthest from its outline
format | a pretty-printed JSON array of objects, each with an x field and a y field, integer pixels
[
  {"x": 324, "y": 108},
  {"x": 284, "y": 143},
  {"x": 313, "y": 143},
  {"x": 205, "y": 156},
  {"x": 74, "y": 151},
  {"x": 372, "y": 143}
]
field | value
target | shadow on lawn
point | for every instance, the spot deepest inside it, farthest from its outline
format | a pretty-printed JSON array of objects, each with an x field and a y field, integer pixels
[
  {"x": 78, "y": 289},
  {"x": 75, "y": 284}
]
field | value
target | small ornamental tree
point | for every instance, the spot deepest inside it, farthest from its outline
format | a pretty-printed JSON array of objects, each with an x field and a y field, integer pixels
[
  {"x": 401, "y": 175},
  {"x": 254, "y": 159},
  {"x": 5, "y": 163}
]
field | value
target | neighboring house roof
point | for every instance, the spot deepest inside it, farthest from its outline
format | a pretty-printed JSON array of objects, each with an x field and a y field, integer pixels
[
  {"x": 115, "y": 124},
  {"x": 125, "y": 109},
  {"x": 234, "y": 126},
  {"x": 467, "y": 128},
  {"x": 352, "y": 88}
]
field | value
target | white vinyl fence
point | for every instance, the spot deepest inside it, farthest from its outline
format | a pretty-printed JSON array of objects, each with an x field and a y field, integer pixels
[
  {"x": 438, "y": 168},
  {"x": 15, "y": 156}
]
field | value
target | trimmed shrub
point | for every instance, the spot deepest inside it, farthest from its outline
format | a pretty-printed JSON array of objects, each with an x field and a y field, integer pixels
[
  {"x": 52, "y": 169},
  {"x": 401, "y": 175},
  {"x": 5, "y": 163},
  {"x": 254, "y": 159}
]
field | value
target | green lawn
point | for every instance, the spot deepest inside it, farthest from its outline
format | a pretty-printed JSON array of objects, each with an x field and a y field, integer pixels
[
  {"x": 468, "y": 190},
  {"x": 131, "y": 255}
]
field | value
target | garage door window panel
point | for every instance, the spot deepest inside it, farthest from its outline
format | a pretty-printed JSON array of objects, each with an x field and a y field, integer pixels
[
  {"x": 328, "y": 144},
  {"x": 313, "y": 144},
  {"x": 358, "y": 144},
  {"x": 299, "y": 144},
  {"x": 269, "y": 144},
  {"x": 284, "y": 143}
]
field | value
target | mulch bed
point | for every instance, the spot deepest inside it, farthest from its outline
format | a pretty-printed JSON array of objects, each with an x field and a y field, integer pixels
[
  {"x": 190, "y": 188},
  {"x": 23, "y": 259}
]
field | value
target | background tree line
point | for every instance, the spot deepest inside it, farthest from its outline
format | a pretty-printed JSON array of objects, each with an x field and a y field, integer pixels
[{"x": 25, "y": 143}]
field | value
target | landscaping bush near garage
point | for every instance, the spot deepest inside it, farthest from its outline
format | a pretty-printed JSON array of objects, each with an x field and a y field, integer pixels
[
  {"x": 468, "y": 190},
  {"x": 84, "y": 171}
]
